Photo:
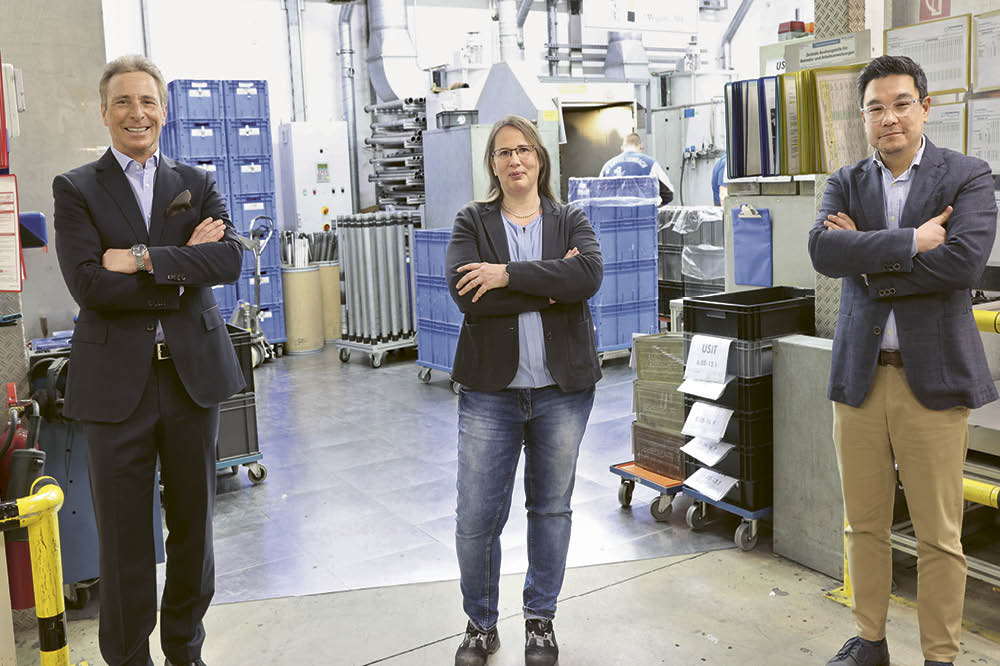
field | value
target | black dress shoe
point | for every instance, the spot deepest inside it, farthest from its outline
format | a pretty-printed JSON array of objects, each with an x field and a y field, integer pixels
[
  {"x": 859, "y": 652},
  {"x": 196, "y": 662}
]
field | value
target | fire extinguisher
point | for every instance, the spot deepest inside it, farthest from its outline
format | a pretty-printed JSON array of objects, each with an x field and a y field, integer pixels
[{"x": 21, "y": 463}]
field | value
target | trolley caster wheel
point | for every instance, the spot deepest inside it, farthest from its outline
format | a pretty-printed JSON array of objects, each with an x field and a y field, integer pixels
[
  {"x": 456, "y": 387},
  {"x": 76, "y": 596},
  {"x": 661, "y": 508},
  {"x": 600, "y": 360},
  {"x": 625, "y": 493},
  {"x": 279, "y": 350},
  {"x": 376, "y": 360},
  {"x": 696, "y": 516},
  {"x": 345, "y": 355},
  {"x": 235, "y": 469},
  {"x": 424, "y": 375},
  {"x": 746, "y": 538},
  {"x": 257, "y": 354},
  {"x": 257, "y": 473}
]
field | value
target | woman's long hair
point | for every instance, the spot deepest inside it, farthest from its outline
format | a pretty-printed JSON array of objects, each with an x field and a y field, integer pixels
[{"x": 530, "y": 132}]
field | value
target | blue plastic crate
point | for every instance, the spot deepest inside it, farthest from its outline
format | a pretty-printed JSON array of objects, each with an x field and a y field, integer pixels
[
  {"x": 270, "y": 286},
  {"x": 225, "y": 296},
  {"x": 191, "y": 99},
  {"x": 615, "y": 324},
  {"x": 248, "y": 138},
  {"x": 429, "y": 247},
  {"x": 251, "y": 175},
  {"x": 270, "y": 259},
  {"x": 187, "y": 139},
  {"x": 633, "y": 187},
  {"x": 248, "y": 206},
  {"x": 436, "y": 343},
  {"x": 218, "y": 167},
  {"x": 434, "y": 301},
  {"x": 272, "y": 323},
  {"x": 246, "y": 99},
  {"x": 626, "y": 282},
  {"x": 627, "y": 239}
]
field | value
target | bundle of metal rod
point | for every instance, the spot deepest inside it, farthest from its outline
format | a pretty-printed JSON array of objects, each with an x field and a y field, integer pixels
[
  {"x": 398, "y": 160},
  {"x": 322, "y": 246},
  {"x": 374, "y": 268}
]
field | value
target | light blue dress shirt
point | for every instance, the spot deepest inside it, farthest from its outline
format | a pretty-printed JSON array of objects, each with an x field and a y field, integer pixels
[
  {"x": 141, "y": 179},
  {"x": 895, "y": 191},
  {"x": 525, "y": 244}
]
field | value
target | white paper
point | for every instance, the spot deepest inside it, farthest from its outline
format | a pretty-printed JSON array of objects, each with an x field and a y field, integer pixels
[
  {"x": 987, "y": 53},
  {"x": 703, "y": 389},
  {"x": 791, "y": 111},
  {"x": 707, "y": 358},
  {"x": 10, "y": 243},
  {"x": 945, "y": 126},
  {"x": 707, "y": 420},
  {"x": 984, "y": 131},
  {"x": 842, "y": 131},
  {"x": 710, "y": 483},
  {"x": 827, "y": 52},
  {"x": 706, "y": 450},
  {"x": 941, "y": 48}
]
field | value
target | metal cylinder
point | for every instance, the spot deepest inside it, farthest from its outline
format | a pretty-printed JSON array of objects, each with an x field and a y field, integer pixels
[
  {"x": 368, "y": 257},
  {"x": 357, "y": 281},
  {"x": 406, "y": 278},
  {"x": 392, "y": 251},
  {"x": 303, "y": 296},
  {"x": 379, "y": 272},
  {"x": 346, "y": 54}
]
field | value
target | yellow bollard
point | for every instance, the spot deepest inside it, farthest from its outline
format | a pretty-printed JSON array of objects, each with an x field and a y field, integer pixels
[
  {"x": 38, "y": 513},
  {"x": 842, "y": 594},
  {"x": 981, "y": 493},
  {"x": 987, "y": 320}
]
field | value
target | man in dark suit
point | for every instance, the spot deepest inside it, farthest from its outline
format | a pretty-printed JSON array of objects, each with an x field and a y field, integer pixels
[
  {"x": 909, "y": 230},
  {"x": 141, "y": 239}
]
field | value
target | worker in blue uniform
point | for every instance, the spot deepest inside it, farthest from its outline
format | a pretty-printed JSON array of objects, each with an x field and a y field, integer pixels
[{"x": 633, "y": 162}]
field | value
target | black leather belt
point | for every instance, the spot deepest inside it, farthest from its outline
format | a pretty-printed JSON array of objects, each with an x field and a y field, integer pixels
[
  {"x": 890, "y": 357},
  {"x": 161, "y": 352}
]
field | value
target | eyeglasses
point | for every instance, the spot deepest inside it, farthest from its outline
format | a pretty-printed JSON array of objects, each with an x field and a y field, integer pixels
[
  {"x": 901, "y": 108},
  {"x": 503, "y": 155}
]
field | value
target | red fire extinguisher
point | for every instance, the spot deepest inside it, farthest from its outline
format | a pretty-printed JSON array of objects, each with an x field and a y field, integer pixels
[{"x": 20, "y": 464}]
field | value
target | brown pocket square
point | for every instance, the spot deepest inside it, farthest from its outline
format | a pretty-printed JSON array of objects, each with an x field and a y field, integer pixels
[{"x": 180, "y": 203}]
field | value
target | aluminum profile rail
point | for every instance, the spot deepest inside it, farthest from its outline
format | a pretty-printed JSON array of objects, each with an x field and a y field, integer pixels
[{"x": 397, "y": 142}]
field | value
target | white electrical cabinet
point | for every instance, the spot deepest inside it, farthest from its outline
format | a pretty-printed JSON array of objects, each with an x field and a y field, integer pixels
[{"x": 315, "y": 174}]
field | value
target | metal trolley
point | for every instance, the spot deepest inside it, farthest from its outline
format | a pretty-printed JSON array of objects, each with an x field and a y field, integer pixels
[
  {"x": 746, "y": 532},
  {"x": 631, "y": 474}
]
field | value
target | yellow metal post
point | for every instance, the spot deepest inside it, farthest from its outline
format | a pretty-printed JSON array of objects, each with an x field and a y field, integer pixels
[{"x": 843, "y": 594}]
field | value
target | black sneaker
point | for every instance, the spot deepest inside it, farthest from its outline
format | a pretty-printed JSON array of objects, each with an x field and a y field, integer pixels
[
  {"x": 540, "y": 647},
  {"x": 859, "y": 652},
  {"x": 928, "y": 662},
  {"x": 476, "y": 646}
]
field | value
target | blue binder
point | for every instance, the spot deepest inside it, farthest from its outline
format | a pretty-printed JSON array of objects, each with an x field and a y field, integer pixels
[{"x": 752, "y": 248}]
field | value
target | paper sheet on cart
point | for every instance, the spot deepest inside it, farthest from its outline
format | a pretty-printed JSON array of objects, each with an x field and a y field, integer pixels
[
  {"x": 707, "y": 359},
  {"x": 707, "y": 420},
  {"x": 710, "y": 483},
  {"x": 707, "y": 390},
  {"x": 706, "y": 450}
]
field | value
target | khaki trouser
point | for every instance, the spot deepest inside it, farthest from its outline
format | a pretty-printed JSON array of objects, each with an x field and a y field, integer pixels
[{"x": 929, "y": 447}]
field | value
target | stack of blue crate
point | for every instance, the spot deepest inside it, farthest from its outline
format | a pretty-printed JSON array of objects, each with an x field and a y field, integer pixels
[
  {"x": 224, "y": 127},
  {"x": 622, "y": 211},
  {"x": 438, "y": 318}
]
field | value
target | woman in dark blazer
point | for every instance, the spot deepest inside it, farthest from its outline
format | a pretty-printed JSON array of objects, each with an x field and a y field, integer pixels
[{"x": 521, "y": 267}]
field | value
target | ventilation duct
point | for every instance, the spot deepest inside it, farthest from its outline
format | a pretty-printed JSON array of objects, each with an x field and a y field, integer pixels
[
  {"x": 626, "y": 59},
  {"x": 392, "y": 59}
]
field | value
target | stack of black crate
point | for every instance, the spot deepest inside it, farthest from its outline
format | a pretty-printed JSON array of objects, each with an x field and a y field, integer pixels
[{"x": 752, "y": 320}]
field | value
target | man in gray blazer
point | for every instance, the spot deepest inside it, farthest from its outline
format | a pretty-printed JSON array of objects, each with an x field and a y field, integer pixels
[{"x": 909, "y": 230}]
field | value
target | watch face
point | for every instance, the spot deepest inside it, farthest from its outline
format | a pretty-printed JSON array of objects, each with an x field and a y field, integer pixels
[{"x": 139, "y": 250}]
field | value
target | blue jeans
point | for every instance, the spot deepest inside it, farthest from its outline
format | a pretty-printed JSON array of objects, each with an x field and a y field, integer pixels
[{"x": 492, "y": 428}]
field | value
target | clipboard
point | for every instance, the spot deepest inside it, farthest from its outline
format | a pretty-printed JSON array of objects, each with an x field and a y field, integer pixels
[{"x": 752, "y": 246}]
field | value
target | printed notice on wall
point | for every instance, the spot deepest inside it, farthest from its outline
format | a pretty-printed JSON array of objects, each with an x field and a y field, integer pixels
[
  {"x": 710, "y": 483},
  {"x": 10, "y": 241},
  {"x": 707, "y": 421},
  {"x": 940, "y": 46}
]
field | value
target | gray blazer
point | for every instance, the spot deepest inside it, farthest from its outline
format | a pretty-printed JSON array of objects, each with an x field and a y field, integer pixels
[{"x": 942, "y": 352}]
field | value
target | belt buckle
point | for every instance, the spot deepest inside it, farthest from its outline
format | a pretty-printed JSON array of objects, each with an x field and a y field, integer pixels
[{"x": 162, "y": 353}]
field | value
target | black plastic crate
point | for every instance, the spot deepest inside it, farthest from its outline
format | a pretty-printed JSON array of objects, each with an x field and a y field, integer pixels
[
  {"x": 749, "y": 495},
  {"x": 747, "y": 394},
  {"x": 755, "y": 314},
  {"x": 753, "y": 463},
  {"x": 670, "y": 263},
  {"x": 754, "y": 428},
  {"x": 237, "y": 428},
  {"x": 695, "y": 288},
  {"x": 709, "y": 232},
  {"x": 240, "y": 338},
  {"x": 668, "y": 291}
]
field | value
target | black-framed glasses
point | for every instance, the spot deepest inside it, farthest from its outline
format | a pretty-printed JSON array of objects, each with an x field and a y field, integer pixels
[
  {"x": 899, "y": 108},
  {"x": 503, "y": 155}
]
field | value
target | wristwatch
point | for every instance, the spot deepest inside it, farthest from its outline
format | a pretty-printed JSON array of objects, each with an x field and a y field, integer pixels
[{"x": 139, "y": 252}]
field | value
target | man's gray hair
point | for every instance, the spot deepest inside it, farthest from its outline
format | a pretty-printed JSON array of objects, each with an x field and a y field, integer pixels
[
  {"x": 632, "y": 139},
  {"x": 132, "y": 63}
]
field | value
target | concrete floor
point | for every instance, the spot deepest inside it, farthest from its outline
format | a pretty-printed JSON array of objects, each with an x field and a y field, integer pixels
[{"x": 345, "y": 554}]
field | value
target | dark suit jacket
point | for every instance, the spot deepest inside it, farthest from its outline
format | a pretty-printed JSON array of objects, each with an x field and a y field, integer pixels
[
  {"x": 487, "y": 354},
  {"x": 929, "y": 293},
  {"x": 113, "y": 342}
]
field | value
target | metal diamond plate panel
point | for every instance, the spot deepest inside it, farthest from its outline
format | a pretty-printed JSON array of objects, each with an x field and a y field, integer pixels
[
  {"x": 827, "y": 289},
  {"x": 855, "y": 15},
  {"x": 13, "y": 354},
  {"x": 836, "y": 17}
]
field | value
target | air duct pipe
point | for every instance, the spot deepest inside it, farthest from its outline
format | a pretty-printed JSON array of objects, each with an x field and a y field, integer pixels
[
  {"x": 522, "y": 15},
  {"x": 725, "y": 48},
  {"x": 507, "y": 16},
  {"x": 392, "y": 59},
  {"x": 346, "y": 54},
  {"x": 552, "y": 9}
]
